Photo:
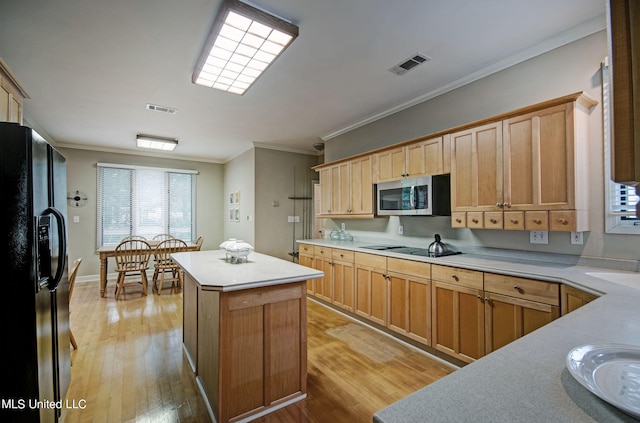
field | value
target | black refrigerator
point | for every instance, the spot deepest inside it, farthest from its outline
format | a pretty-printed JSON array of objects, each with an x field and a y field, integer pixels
[{"x": 35, "y": 356}]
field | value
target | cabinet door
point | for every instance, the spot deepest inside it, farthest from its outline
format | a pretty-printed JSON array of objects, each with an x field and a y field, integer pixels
[
  {"x": 361, "y": 186},
  {"x": 509, "y": 318},
  {"x": 325, "y": 191},
  {"x": 425, "y": 158},
  {"x": 307, "y": 260},
  {"x": 457, "y": 321},
  {"x": 410, "y": 306},
  {"x": 390, "y": 165},
  {"x": 340, "y": 189},
  {"x": 324, "y": 285},
  {"x": 371, "y": 294},
  {"x": 538, "y": 160},
  {"x": 343, "y": 284},
  {"x": 572, "y": 298},
  {"x": 476, "y": 168}
]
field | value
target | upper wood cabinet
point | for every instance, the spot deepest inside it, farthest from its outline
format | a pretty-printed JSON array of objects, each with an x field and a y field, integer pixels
[
  {"x": 12, "y": 96},
  {"x": 347, "y": 189},
  {"x": 534, "y": 161},
  {"x": 418, "y": 158}
]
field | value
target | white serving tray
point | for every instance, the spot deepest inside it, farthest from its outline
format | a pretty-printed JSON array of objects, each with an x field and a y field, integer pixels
[{"x": 610, "y": 371}]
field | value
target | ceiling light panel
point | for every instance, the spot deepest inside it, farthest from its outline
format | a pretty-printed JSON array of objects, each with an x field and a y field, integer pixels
[
  {"x": 156, "y": 143},
  {"x": 243, "y": 43}
]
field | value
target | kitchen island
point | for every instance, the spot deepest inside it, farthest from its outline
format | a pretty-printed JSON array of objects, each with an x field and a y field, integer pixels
[{"x": 245, "y": 332}]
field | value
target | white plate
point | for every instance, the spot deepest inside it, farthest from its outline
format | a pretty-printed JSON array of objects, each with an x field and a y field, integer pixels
[{"x": 611, "y": 371}]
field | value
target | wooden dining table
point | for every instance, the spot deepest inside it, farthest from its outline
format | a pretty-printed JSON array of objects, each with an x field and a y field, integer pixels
[{"x": 107, "y": 251}]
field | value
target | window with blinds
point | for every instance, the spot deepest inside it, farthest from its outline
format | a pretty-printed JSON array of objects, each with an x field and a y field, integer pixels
[
  {"x": 623, "y": 203},
  {"x": 144, "y": 201},
  {"x": 620, "y": 200}
]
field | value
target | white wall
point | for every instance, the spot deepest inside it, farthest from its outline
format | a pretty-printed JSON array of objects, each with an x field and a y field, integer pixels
[
  {"x": 82, "y": 176},
  {"x": 568, "y": 69},
  {"x": 239, "y": 176},
  {"x": 280, "y": 175}
]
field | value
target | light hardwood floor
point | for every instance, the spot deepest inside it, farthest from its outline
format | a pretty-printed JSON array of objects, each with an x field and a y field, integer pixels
[{"x": 130, "y": 367}]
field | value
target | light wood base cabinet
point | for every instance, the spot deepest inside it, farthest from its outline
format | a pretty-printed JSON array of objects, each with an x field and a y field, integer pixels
[
  {"x": 410, "y": 299},
  {"x": 252, "y": 349},
  {"x": 342, "y": 278},
  {"x": 371, "y": 287},
  {"x": 572, "y": 299},
  {"x": 457, "y": 312}
]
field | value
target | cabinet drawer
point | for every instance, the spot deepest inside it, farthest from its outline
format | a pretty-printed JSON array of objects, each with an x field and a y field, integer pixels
[
  {"x": 456, "y": 276},
  {"x": 527, "y": 289},
  {"x": 342, "y": 255},
  {"x": 409, "y": 267},
  {"x": 321, "y": 251},
  {"x": 563, "y": 220},
  {"x": 493, "y": 220},
  {"x": 475, "y": 220},
  {"x": 371, "y": 260},
  {"x": 458, "y": 219},
  {"x": 536, "y": 221},
  {"x": 514, "y": 220},
  {"x": 306, "y": 249}
]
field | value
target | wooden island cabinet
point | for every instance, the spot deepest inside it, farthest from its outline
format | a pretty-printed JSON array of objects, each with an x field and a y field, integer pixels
[{"x": 245, "y": 332}]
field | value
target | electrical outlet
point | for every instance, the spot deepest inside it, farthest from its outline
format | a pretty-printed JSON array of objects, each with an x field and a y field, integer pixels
[
  {"x": 343, "y": 226},
  {"x": 400, "y": 230},
  {"x": 576, "y": 238},
  {"x": 539, "y": 237},
  {"x": 293, "y": 219}
]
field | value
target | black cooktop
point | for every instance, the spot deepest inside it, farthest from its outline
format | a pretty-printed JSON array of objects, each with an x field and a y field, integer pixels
[{"x": 424, "y": 252}]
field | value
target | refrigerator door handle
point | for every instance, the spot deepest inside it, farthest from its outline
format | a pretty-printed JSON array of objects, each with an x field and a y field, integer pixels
[{"x": 62, "y": 245}]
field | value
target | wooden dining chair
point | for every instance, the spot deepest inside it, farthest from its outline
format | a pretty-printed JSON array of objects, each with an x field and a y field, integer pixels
[
  {"x": 167, "y": 270},
  {"x": 199, "y": 242},
  {"x": 134, "y": 238},
  {"x": 72, "y": 283},
  {"x": 132, "y": 261},
  {"x": 163, "y": 237}
]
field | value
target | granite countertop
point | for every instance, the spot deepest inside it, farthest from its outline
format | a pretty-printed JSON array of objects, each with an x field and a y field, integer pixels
[
  {"x": 527, "y": 380},
  {"x": 212, "y": 271}
]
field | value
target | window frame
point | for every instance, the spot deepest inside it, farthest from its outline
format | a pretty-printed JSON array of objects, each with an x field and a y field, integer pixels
[{"x": 132, "y": 201}]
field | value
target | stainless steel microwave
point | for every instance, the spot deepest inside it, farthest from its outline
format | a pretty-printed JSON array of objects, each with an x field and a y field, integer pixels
[{"x": 422, "y": 196}]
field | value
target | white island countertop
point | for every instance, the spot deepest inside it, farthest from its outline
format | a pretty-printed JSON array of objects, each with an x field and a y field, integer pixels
[{"x": 213, "y": 272}]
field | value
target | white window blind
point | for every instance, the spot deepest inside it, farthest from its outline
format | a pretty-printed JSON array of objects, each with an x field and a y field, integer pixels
[
  {"x": 144, "y": 201},
  {"x": 620, "y": 200}
]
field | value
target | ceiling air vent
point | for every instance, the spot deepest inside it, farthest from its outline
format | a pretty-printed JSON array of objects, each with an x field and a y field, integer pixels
[
  {"x": 406, "y": 65},
  {"x": 162, "y": 109}
]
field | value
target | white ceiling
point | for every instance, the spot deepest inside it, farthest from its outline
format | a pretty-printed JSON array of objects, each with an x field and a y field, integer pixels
[{"x": 91, "y": 66}]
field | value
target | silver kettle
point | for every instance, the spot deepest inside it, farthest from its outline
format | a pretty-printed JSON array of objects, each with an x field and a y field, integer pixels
[{"x": 437, "y": 247}]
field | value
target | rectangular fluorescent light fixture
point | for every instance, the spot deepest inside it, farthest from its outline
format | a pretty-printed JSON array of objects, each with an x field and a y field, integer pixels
[
  {"x": 242, "y": 44},
  {"x": 156, "y": 143}
]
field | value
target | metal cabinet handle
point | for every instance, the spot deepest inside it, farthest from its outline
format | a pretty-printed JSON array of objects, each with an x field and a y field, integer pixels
[
  {"x": 474, "y": 220},
  {"x": 498, "y": 205},
  {"x": 514, "y": 221},
  {"x": 494, "y": 221},
  {"x": 506, "y": 205},
  {"x": 458, "y": 220},
  {"x": 537, "y": 221},
  {"x": 563, "y": 221},
  {"x": 455, "y": 277}
]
